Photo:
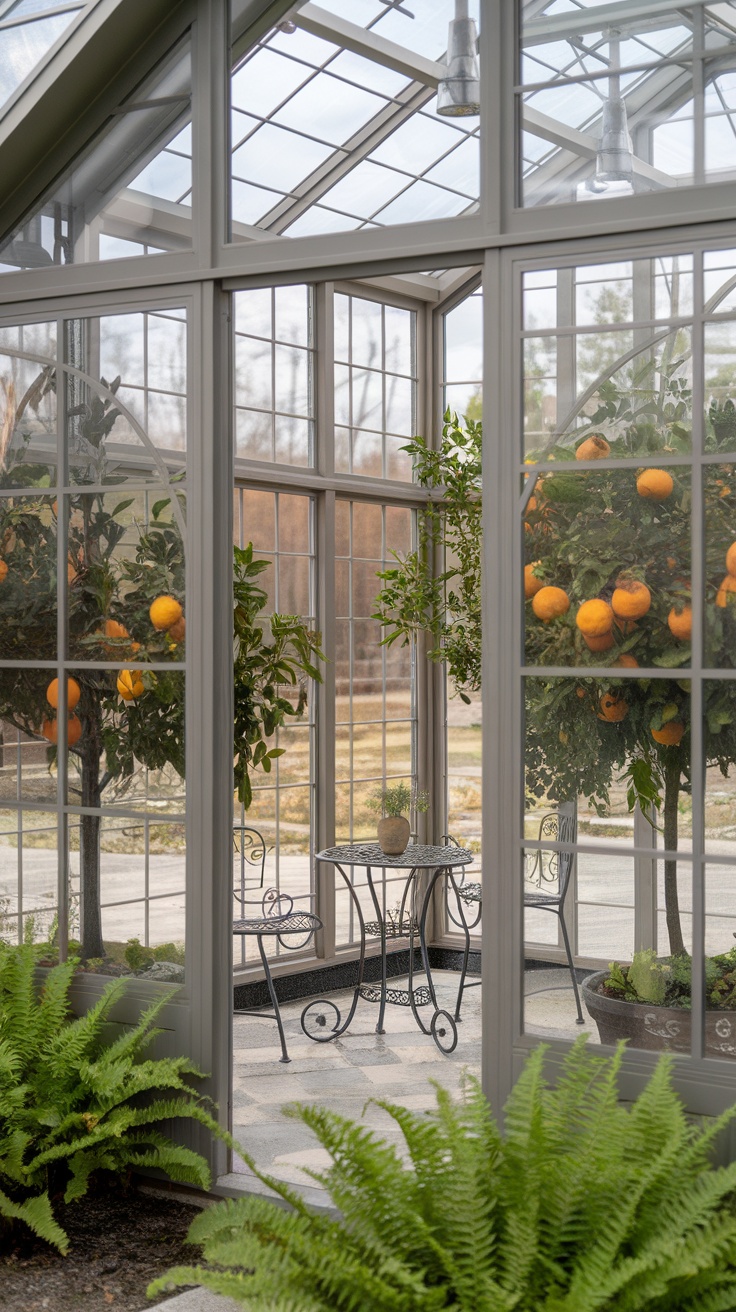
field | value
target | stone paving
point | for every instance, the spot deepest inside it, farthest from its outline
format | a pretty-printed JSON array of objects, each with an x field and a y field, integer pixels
[{"x": 346, "y": 1074}]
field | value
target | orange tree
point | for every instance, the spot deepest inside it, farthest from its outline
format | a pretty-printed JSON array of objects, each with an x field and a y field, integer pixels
[
  {"x": 125, "y": 595},
  {"x": 607, "y": 583}
]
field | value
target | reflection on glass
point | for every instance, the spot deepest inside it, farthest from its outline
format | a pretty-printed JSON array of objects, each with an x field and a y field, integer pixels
[
  {"x": 593, "y": 126},
  {"x": 28, "y": 729},
  {"x": 611, "y": 379},
  {"x": 131, "y": 193}
]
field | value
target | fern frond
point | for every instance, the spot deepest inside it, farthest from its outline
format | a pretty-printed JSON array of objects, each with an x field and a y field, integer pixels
[{"x": 36, "y": 1213}]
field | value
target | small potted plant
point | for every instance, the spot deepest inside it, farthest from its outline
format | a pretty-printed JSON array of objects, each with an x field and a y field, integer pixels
[{"x": 394, "y": 804}]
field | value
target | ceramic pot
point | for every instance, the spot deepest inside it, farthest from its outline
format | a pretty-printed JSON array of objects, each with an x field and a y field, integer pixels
[
  {"x": 393, "y": 834},
  {"x": 655, "y": 1029}
]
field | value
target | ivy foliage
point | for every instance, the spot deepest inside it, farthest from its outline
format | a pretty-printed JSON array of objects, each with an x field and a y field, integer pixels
[
  {"x": 78, "y": 1094},
  {"x": 584, "y": 1204}
]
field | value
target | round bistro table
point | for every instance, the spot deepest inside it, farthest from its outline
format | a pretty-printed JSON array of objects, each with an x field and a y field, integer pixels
[{"x": 321, "y": 1019}]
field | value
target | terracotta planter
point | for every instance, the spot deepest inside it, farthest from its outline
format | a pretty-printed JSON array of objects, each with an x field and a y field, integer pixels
[
  {"x": 393, "y": 834},
  {"x": 656, "y": 1029}
]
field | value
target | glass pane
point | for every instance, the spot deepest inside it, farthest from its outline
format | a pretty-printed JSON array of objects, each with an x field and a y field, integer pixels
[
  {"x": 28, "y": 556},
  {"x": 274, "y": 375},
  {"x": 607, "y": 572},
  {"x": 130, "y": 193},
  {"x": 618, "y": 390},
  {"x": 26, "y": 45},
  {"x": 614, "y": 111},
  {"x": 326, "y": 139},
  {"x": 29, "y": 877},
  {"x": 375, "y": 403}
]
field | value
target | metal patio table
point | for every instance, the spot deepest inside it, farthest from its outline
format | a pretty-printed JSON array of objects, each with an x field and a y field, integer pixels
[{"x": 321, "y": 1019}]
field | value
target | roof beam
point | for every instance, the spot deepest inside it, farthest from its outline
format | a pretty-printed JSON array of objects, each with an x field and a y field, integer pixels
[
  {"x": 584, "y": 144},
  {"x": 622, "y": 13},
  {"x": 361, "y": 41}
]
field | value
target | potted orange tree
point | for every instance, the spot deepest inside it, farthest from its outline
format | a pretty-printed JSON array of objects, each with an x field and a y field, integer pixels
[
  {"x": 607, "y": 581},
  {"x": 125, "y": 603}
]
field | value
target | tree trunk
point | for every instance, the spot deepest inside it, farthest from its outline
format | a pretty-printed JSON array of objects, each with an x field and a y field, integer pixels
[
  {"x": 89, "y": 835},
  {"x": 671, "y": 900}
]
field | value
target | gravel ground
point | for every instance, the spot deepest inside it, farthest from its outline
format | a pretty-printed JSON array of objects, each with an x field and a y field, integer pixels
[{"x": 118, "y": 1244}]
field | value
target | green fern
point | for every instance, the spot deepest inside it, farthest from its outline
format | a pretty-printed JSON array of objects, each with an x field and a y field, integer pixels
[
  {"x": 583, "y": 1205},
  {"x": 73, "y": 1103}
]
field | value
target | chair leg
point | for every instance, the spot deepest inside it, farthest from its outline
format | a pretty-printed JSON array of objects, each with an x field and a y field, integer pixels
[
  {"x": 580, "y": 1020},
  {"x": 274, "y": 1000}
]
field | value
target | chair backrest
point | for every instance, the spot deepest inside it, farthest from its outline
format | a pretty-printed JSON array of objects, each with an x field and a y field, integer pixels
[
  {"x": 556, "y": 867},
  {"x": 250, "y": 850}
]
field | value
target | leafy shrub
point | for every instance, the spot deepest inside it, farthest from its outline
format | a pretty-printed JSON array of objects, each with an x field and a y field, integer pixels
[
  {"x": 667, "y": 981},
  {"x": 73, "y": 1102},
  {"x": 583, "y": 1204}
]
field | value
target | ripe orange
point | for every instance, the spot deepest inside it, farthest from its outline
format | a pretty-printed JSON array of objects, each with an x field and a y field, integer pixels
[
  {"x": 113, "y": 629},
  {"x": 726, "y": 590},
  {"x": 549, "y": 603},
  {"x": 50, "y": 730},
  {"x": 130, "y": 684},
  {"x": 3, "y": 571},
  {"x": 627, "y": 662},
  {"x": 594, "y": 447},
  {"x": 731, "y": 559},
  {"x": 164, "y": 612},
  {"x": 612, "y": 708},
  {"x": 178, "y": 631},
  {"x": 681, "y": 623},
  {"x": 655, "y": 484},
  {"x": 73, "y": 693},
  {"x": 594, "y": 618},
  {"x": 670, "y": 734},
  {"x": 580, "y": 692},
  {"x": 631, "y": 599},
  {"x": 531, "y": 585},
  {"x": 603, "y": 643}
]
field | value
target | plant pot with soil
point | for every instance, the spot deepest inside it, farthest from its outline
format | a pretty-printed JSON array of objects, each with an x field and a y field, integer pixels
[
  {"x": 394, "y": 805},
  {"x": 649, "y": 1003}
]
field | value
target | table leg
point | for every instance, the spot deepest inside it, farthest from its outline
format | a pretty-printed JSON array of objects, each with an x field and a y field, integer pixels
[
  {"x": 382, "y": 923},
  {"x": 442, "y": 1026},
  {"x": 316, "y": 1016}
]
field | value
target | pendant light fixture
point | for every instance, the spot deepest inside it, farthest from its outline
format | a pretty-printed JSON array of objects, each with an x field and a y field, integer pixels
[{"x": 458, "y": 93}]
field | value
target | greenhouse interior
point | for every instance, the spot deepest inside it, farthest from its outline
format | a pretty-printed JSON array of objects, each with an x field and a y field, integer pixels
[{"x": 368, "y": 562}]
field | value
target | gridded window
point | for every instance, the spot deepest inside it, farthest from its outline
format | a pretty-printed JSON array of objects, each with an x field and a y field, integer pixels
[
  {"x": 375, "y": 387},
  {"x": 613, "y": 110},
  {"x": 375, "y": 691},
  {"x": 280, "y": 527},
  {"x": 274, "y": 375},
  {"x": 462, "y": 357},
  {"x": 96, "y": 792},
  {"x": 327, "y": 139},
  {"x": 131, "y": 192}
]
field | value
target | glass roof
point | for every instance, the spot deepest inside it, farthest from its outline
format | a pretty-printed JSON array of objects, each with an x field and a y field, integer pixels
[
  {"x": 328, "y": 138},
  {"x": 27, "y": 33},
  {"x": 642, "y": 68}
]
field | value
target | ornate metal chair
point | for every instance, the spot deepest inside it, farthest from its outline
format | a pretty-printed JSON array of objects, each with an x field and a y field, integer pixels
[
  {"x": 276, "y": 919},
  {"x": 549, "y": 872}
]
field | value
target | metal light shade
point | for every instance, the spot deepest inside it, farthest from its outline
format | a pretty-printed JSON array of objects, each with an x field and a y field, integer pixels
[
  {"x": 614, "y": 160},
  {"x": 27, "y": 254},
  {"x": 458, "y": 94}
]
